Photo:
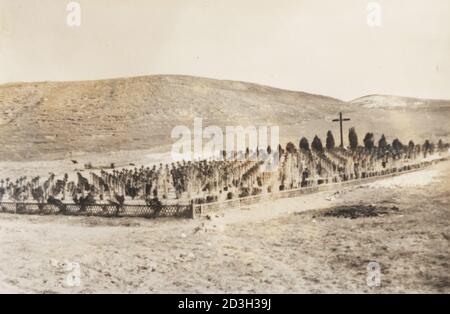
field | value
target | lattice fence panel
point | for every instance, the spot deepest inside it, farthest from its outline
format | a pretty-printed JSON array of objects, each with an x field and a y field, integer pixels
[{"x": 102, "y": 210}]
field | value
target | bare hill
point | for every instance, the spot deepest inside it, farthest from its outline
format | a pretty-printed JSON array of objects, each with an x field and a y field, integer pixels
[
  {"x": 51, "y": 119},
  {"x": 42, "y": 119}
]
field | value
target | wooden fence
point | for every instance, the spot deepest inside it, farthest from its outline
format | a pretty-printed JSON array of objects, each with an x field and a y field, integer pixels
[
  {"x": 190, "y": 210},
  {"x": 102, "y": 210},
  {"x": 211, "y": 208}
]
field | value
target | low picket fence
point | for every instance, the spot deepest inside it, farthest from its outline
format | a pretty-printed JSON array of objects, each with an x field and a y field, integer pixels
[{"x": 189, "y": 210}]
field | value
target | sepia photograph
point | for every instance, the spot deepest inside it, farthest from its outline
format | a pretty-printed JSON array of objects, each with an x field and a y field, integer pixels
[{"x": 215, "y": 148}]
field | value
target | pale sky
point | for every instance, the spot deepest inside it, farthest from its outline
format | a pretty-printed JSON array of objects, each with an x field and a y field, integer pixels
[{"x": 318, "y": 46}]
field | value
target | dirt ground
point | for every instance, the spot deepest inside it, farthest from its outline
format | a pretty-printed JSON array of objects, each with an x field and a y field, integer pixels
[{"x": 287, "y": 246}]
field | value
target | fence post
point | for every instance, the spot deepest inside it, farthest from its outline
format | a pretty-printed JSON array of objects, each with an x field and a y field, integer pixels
[{"x": 192, "y": 208}]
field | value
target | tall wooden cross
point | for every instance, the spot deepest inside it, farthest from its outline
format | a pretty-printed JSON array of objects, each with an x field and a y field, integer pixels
[{"x": 340, "y": 120}]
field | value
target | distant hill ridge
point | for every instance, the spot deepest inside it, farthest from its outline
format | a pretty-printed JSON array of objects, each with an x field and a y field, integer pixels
[{"x": 391, "y": 101}]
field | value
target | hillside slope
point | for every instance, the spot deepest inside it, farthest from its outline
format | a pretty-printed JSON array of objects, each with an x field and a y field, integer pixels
[
  {"x": 50, "y": 120},
  {"x": 42, "y": 119}
]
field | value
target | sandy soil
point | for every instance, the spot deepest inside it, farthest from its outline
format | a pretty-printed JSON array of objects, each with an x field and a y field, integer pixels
[{"x": 285, "y": 246}]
